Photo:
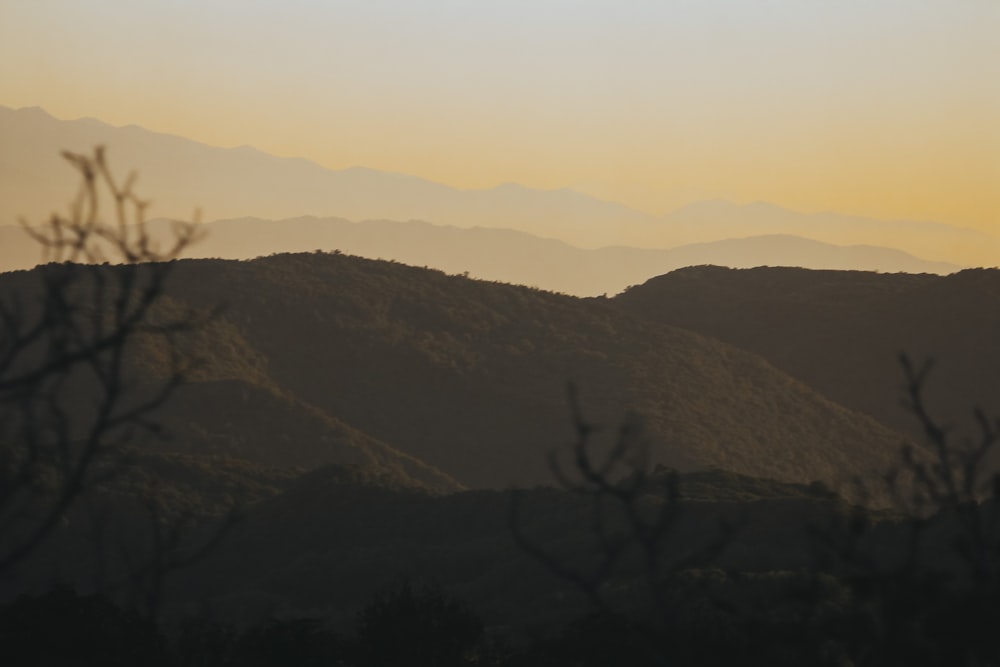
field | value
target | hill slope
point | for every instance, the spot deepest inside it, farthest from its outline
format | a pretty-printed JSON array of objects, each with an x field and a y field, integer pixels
[
  {"x": 470, "y": 376},
  {"x": 228, "y": 405},
  {"x": 842, "y": 332},
  {"x": 440, "y": 379}
]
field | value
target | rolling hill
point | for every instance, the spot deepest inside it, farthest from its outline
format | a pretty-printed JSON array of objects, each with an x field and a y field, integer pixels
[
  {"x": 470, "y": 377},
  {"x": 842, "y": 332}
]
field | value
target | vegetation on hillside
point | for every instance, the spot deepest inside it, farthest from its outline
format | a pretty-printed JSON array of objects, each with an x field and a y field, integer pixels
[
  {"x": 469, "y": 376},
  {"x": 841, "y": 332}
]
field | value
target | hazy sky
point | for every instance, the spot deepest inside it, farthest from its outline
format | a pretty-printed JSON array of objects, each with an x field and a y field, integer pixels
[{"x": 887, "y": 108}]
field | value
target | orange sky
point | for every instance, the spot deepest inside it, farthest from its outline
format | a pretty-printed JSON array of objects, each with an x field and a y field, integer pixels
[{"x": 884, "y": 108}]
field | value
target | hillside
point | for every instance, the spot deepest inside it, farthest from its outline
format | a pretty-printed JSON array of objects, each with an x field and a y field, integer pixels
[
  {"x": 470, "y": 377},
  {"x": 227, "y": 406},
  {"x": 326, "y": 358},
  {"x": 340, "y": 405},
  {"x": 842, "y": 332}
]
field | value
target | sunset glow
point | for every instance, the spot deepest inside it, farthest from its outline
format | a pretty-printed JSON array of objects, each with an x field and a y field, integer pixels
[{"x": 886, "y": 109}]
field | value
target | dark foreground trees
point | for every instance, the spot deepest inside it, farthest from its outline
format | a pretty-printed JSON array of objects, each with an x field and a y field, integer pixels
[
  {"x": 410, "y": 626},
  {"x": 64, "y": 628},
  {"x": 872, "y": 594},
  {"x": 917, "y": 584}
]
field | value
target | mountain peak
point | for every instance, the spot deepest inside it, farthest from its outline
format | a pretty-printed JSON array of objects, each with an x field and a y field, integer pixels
[{"x": 33, "y": 111}]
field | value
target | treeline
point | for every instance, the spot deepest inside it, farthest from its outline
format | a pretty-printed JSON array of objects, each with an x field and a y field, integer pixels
[
  {"x": 747, "y": 571},
  {"x": 774, "y": 619}
]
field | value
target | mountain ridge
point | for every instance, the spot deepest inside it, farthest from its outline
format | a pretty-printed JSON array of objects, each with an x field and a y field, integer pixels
[
  {"x": 236, "y": 182},
  {"x": 504, "y": 255},
  {"x": 843, "y": 332},
  {"x": 470, "y": 376}
]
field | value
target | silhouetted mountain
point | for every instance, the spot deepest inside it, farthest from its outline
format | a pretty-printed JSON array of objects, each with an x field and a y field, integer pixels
[
  {"x": 470, "y": 377},
  {"x": 717, "y": 219},
  {"x": 243, "y": 182},
  {"x": 333, "y": 390},
  {"x": 388, "y": 385},
  {"x": 842, "y": 332}
]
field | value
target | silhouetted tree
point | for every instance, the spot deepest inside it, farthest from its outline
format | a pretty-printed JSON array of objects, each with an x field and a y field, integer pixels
[
  {"x": 633, "y": 511},
  {"x": 200, "y": 642},
  {"x": 66, "y": 332},
  {"x": 917, "y": 585},
  {"x": 925, "y": 587},
  {"x": 64, "y": 628},
  {"x": 417, "y": 627},
  {"x": 293, "y": 643}
]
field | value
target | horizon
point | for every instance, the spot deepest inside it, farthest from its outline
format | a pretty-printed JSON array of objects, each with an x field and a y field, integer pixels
[{"x": 883, "y": 111}]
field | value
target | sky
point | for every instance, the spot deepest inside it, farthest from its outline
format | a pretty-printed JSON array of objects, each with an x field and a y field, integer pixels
[{"x": 883, "y": 108}]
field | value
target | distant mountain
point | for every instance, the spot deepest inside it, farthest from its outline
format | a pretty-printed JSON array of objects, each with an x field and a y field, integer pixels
[
  {"x": 469, "y": 377},
  {"x": 842, "y": 332},
  {"x": 520, "y": 258},
  {"x": 715, "y": 220},
  {"x": 180, "y": 174},
  {"x": 503, "y": 254},
  {"x": 795, "y": 251}
]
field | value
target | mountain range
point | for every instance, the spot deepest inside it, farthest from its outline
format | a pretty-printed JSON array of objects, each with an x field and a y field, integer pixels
[
  {"x": 727, "y": 449},
  {"x": 501, "y": 254},
  {"x": 367, "y": 413},
  {"x": 448, "y": 382},
  {"x": 180, "y": 174}
]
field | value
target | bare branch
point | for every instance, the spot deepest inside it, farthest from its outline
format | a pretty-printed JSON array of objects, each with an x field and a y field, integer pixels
[{"x": 65, "y": 399}]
